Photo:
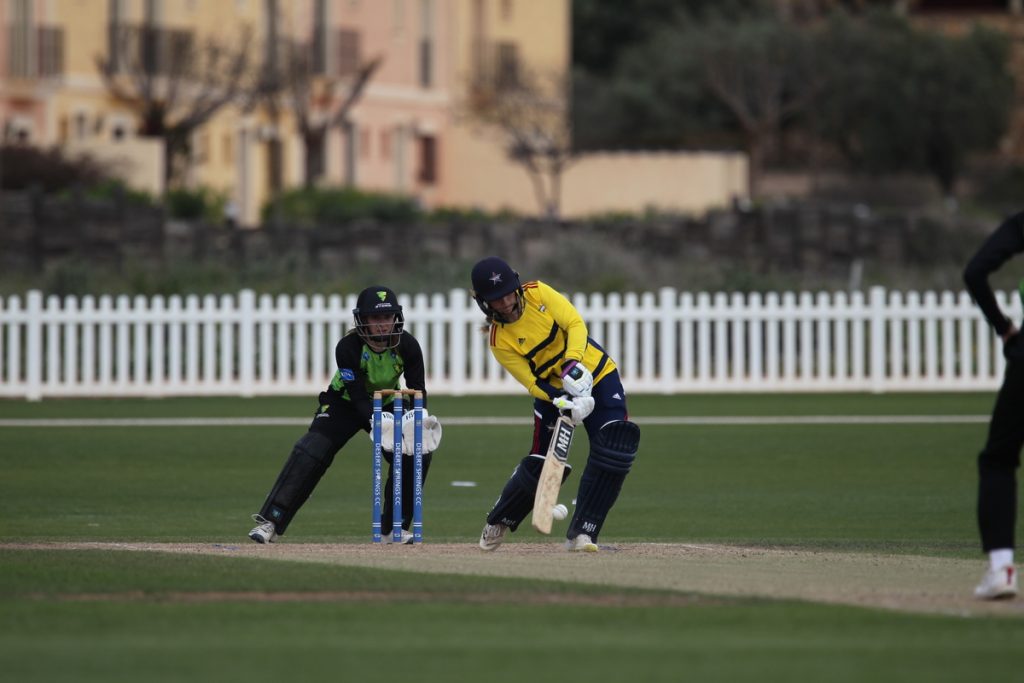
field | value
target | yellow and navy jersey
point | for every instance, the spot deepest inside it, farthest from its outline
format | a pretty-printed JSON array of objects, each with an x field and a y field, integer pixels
[{"x": 549, "y": 332}]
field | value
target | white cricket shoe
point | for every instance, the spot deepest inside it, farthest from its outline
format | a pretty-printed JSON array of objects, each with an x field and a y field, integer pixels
[
  {"x": 407, "y": 538},
  {"x": 997, "y": 584},
  {"x": 581, "y": 544},
  {"x": 492, "y": 536},
  {"x": 265, "y": 532}
]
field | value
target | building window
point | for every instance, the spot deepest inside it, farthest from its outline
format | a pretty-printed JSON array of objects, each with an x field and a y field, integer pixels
[
  {"x": 507, "y": 71},
  {"x": 20, "y": 36},
  {"x": 426, "y": 42},
  {"x": 348, "y": 52},
  {"x": 319, "y": 57},
  {"x": 478, "y": 40},
  {"x": 364, "y": 143},
  {"x": 80, "y": 126},
  {"x": 316, "y": 163},
  {"x": 270, "y": 26},
  {"x": 348, "y": 131},
  {"x": 228, "y": 147},
  {"x": 115, "y": 18},
  {"x": 202, "y": 154},
  {"x": 398, "y": 18},
  {"x": 428, "y": 160}
]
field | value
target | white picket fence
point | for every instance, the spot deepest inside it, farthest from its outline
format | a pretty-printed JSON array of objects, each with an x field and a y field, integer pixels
[{"x": 663, "y": 342}]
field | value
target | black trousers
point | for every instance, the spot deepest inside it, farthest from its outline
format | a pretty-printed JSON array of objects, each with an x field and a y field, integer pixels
[
  {"x": 1000, "y": 459},
  {"x": 331, "y": 429}
]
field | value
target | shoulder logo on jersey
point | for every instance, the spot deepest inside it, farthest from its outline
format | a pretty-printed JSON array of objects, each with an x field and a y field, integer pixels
[
  {"x": 521, "y": 340},
  {"x": 366, "y": 355},
  {"x": 348, "y": 375},
  {"x": 542, "y": 308}
]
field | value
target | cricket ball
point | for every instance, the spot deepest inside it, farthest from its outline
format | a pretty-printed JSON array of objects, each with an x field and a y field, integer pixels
[{"x": 559, "y": 511}]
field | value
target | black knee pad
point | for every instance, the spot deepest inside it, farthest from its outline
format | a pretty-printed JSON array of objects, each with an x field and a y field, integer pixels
[
  {"x": 516, "y": 499},
  {"x": 615, "y": 446},
  {"x": 612, "y": 452},
  {"x": 310, "y": 457}
]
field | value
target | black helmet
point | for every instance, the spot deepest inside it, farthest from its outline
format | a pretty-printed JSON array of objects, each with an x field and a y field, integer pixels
[
  {"x": 494, "y": 279},
  {"x": 376, "y": 300}
]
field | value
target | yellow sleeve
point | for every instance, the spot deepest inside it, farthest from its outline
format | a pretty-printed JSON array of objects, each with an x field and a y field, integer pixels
[{"x": 569, "y": 319}]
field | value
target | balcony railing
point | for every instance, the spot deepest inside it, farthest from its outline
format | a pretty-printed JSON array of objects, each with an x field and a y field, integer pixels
[
  {"x": 149, "y": 49},
  {"x": 34, "y": 53}
]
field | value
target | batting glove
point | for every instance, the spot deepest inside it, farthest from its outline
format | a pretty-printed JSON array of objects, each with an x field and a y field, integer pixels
[
  {"x": 576, "y": 379},
  {"x": 579, "y": 407}
]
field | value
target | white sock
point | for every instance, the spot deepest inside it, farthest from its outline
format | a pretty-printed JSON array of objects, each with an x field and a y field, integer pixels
[{"x": 1000, "y": 557}]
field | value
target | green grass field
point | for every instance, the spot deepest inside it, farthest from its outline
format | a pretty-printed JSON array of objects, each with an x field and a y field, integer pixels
[{"x": 103, "y": 615}]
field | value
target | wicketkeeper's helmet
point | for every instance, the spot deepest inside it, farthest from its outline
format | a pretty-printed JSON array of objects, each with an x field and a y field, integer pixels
[
  {"x": 374, "y": 301},
  {"x": 494, "y": 279}
]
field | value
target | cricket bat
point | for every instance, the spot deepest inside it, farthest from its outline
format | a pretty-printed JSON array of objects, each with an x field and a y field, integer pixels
[{"x": 550, "y": 481}]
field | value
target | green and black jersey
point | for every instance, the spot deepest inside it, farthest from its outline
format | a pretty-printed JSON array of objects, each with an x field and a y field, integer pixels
[{"x": 362, "y": 371}]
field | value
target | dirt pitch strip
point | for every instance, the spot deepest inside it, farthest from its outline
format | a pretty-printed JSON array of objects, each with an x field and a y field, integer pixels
[{"x": 897, "y": 582}]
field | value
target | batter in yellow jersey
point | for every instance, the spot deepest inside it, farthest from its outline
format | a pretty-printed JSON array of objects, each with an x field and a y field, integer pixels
[
  {"x": 541, "y": 339},
  {"x": 549, "y": 332}
]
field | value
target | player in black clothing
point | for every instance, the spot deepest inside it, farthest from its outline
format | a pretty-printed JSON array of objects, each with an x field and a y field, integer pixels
[
  {"x": 372, "y": 356},
  {"x": 1000, "y": 458}
]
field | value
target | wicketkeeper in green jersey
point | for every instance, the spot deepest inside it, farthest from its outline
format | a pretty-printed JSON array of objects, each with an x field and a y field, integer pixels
[{"x": 373, "y": 356}]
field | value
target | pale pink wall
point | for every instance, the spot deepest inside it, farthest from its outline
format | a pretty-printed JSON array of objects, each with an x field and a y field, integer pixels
[{"x": 395, "y": 101}]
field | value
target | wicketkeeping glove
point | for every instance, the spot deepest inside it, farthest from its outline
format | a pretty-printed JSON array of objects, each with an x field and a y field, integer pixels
[
  {"x": 387, "y": 432},
  {"x": 431, "y": 432},
  {"x": 576, "y": 379},
  {"x": 579, "y": 407}
]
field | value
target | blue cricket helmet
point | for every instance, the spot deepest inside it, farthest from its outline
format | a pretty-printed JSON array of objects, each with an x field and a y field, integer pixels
[{"x": 494, "y": 279}]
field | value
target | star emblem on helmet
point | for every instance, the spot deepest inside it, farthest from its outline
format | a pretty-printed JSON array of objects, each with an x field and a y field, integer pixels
[{"x": 495, "y": 278}]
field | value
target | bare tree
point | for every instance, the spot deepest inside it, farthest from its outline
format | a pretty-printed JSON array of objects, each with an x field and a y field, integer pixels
[
  {"x": 173, "y": 83},
  {"x": 320, "y": 102},
  {"x": 762, "y": 72},
  {"x": 530, "y": 113}
]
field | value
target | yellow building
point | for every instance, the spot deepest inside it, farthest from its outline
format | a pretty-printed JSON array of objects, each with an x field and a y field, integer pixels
[{"x": 408, "y": 132}]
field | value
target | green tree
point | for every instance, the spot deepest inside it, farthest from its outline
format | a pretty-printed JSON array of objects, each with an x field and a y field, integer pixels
[
  {"x": 715, "y": 79},
  {"x": 625, "y": 97},
  {"x": 603, "y": 31},
  {"x": 906, "y": 99}
]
